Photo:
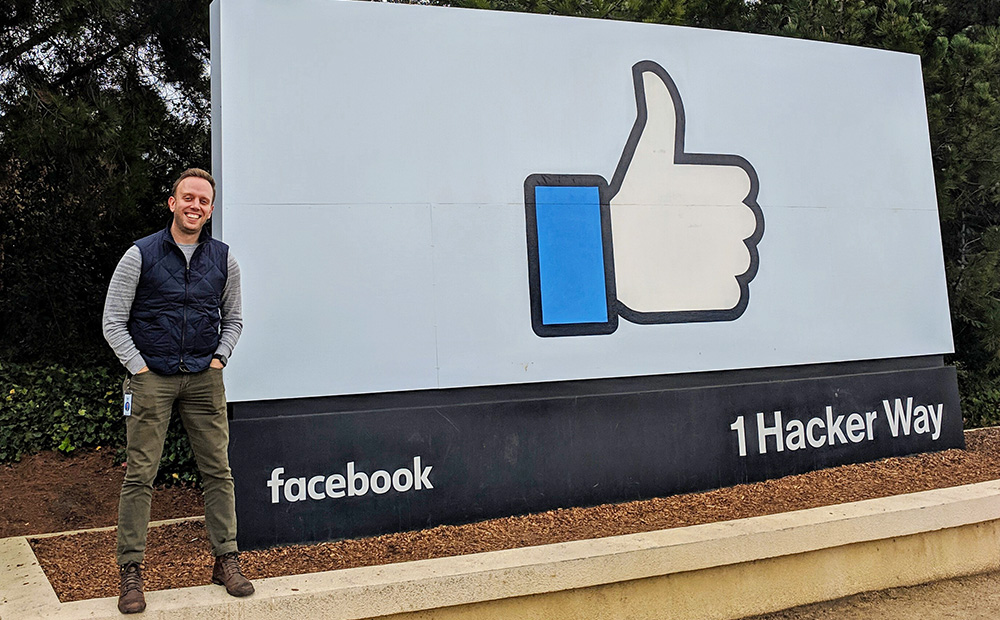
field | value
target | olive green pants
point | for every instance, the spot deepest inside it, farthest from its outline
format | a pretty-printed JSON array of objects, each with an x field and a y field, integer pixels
[{"x": 201, "y": 402}]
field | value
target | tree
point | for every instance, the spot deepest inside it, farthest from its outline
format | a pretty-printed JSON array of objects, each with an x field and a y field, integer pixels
[
  {"x": 901, "y": 25},
  {"x": 102, "y": 103},
  {"x": 961, "y": 14},
  {"x": 962, "y": 77}
]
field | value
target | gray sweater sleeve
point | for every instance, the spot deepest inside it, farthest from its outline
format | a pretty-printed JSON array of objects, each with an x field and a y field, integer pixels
[
  {"x": 232, "y": 312},
  {"x": 118, "y": 305}
]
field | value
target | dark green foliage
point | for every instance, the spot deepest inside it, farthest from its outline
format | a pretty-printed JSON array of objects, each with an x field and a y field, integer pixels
[
  {"x": 50, "y": 407},
  {"x": 980, "y": 397},
  {"x": 960, "y": 14},
  {"x": 47, "y": 407},
  {"x": 901, "y": 25},
  {"x": 717, "y": 14},
  {"x": 962, "y": 76}
]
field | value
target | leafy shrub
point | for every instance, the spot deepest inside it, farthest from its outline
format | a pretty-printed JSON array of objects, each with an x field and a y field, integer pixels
[
  {"x": 980, "y": 397},
  {"x": 50, "y": 407}
]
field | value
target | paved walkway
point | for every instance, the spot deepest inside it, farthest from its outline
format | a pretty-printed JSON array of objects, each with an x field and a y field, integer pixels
[{"x": 968, "y": 598}]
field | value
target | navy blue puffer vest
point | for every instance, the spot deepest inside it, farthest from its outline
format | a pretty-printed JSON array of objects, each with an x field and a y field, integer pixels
[{"x": 175, "y": 316}]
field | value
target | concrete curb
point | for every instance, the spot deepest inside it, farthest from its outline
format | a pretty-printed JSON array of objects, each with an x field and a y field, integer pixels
[
  {"x": 112, "y": 528},
  {"x": 722, "y": 570}
]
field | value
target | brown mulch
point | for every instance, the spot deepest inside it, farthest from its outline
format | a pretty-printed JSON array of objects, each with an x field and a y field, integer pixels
[{"x": 82, "y": 566}]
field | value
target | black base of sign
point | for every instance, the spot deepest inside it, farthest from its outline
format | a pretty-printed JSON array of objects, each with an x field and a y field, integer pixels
[{"x": 340, "y": 467}]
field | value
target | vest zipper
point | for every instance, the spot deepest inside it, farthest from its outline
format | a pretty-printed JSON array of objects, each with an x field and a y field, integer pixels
[{"x": 187, "y": 280}]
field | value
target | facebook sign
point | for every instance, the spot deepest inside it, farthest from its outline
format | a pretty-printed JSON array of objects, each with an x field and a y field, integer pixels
[{"x": 528, "y": 272}]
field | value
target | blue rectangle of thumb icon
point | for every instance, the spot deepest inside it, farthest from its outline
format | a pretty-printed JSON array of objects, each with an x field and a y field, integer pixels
[{"x": 571, "y": 276}]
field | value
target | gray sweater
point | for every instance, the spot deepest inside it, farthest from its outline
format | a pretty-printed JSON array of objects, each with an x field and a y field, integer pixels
[{"x": 121, "y": 293}]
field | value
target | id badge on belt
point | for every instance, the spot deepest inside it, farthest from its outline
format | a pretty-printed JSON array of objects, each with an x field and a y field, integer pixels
[{"x": 127, "y": 393}]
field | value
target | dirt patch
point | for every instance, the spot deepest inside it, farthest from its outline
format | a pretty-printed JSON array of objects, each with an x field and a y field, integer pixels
[
  {"x": 52, "y": 492},
  {"x": 82, "y": 566}
]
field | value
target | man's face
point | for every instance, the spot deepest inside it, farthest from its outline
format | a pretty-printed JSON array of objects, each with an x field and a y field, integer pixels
[{"x": 191, "y": 205}]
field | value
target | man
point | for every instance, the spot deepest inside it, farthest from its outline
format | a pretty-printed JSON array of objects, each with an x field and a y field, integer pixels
[{"x": 173, "y": 315}]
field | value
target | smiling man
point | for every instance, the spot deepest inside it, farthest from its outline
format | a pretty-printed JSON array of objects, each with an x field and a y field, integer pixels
[{"x": 173, "y": 315}]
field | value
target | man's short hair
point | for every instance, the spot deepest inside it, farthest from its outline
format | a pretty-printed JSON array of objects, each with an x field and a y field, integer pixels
[{"x": 194, "y": 172}]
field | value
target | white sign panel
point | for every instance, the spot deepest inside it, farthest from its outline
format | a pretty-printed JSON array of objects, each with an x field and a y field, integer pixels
[{"x": 427, "y": 198}]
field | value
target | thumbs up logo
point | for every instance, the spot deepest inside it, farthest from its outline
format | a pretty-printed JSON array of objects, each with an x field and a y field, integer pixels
[{"x": 671, "y": 239}]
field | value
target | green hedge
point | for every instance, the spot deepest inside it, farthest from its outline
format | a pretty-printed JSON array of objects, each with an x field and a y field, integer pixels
[
  {"x": 980, "y": 397},
  {"x": 51, "y": 407}
]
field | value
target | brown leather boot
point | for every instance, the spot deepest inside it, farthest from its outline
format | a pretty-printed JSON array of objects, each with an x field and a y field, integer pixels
[
  {"x": 226, "y": 572},
  {"x": 130, "y": 597}
]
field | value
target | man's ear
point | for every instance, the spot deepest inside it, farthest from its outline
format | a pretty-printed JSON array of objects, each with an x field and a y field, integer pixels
[{"x": 171, "y": 202}]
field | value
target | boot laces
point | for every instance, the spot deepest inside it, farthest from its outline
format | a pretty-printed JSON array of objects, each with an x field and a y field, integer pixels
[
  {"x": 131, "y": 577},
  {"x": 231, "y": 564}
]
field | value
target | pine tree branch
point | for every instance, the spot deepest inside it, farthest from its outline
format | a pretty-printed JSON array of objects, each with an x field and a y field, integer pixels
[
  {"x": 30, "y": 43},
  {"x": 98, "y": 60},
  {"x": 42, "y": 35}
]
